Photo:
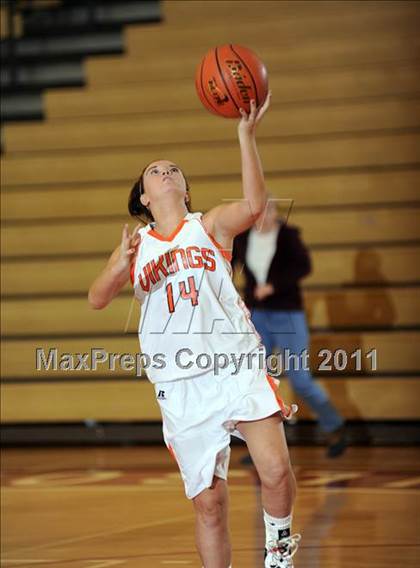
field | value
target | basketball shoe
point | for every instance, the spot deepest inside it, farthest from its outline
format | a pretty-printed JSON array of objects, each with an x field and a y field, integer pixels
[{"x": 279, "y": 553}]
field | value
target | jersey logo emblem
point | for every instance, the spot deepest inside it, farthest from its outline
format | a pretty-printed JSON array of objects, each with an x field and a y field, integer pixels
[{"x": 161, "y": 395}]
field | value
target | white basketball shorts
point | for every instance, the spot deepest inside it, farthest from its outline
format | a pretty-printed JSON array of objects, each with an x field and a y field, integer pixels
[{"x": 200, "y": 413}]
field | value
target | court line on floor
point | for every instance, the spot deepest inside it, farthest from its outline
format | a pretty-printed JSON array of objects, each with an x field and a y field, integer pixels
[
  {"x": 180, "y": 518},
  {"x": 28, "y": 560},
  {"x": 128, "y": 558},
  {"x": 106, "y": 563},
  {"x": 401, "y": 483},
  {"x": 169, "y": 488},
  {"x": 103, "y": 534},
  {"x": 235, "y": 550},
  {"x": 165, "y": 521},
  {"x": 176, "y": 561}
]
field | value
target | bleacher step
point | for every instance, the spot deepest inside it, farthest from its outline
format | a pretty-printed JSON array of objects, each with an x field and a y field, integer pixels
[
  {"x": 63, "y": 47},
  {"x": 22, "y": 106},
  {"x": 89, "y": 16},
  {"x": 42, "y": 76}
]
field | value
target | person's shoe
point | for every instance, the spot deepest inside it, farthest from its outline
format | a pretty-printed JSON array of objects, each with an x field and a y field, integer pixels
[
  {"x": 337, "y": 442},
  {"x": 279, "y": 553}
]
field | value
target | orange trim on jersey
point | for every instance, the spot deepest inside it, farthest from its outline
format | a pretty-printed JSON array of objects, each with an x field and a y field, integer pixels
[
  {"x": 273, "y": 385},
  {"x": 171, "y": 451},
  {"x": 170, "y": 237},
  {"x": 227, "y": 254},
  {"x": 241, "y": 305},
  {"x": 133, "y": 264}
]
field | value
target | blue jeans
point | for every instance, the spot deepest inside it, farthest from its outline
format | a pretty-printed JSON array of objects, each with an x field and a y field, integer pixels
[{"x": 288, "y": 330}]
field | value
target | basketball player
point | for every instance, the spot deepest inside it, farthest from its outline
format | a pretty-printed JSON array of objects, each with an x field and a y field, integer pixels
[{"x": 205, "y": 352}]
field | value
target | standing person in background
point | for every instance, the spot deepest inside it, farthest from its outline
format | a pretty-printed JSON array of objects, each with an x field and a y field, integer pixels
[{"x": 275, "y": 260}]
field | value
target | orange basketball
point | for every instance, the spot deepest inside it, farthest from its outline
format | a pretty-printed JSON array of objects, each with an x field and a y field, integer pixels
[{"x": 228, "y": 78}]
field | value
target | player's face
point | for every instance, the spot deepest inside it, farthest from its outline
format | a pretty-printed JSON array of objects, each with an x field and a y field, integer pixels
[{"x": 163, "y": 177}]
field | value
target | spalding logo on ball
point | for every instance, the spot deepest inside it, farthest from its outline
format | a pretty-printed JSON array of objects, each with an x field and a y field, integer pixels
[{"x": 228, "y": 78}]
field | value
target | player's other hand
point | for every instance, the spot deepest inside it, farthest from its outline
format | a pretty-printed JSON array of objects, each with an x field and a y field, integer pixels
[
  {"x": 129, "y": 246},
  {"x": 249, "y": 122}
]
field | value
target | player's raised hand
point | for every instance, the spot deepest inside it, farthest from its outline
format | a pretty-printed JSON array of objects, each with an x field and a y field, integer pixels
[
  {"x": 129, "y": 246},
  {"x": 249, "y": 122}
]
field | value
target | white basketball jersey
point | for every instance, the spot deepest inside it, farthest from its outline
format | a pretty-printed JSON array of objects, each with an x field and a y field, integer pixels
[{"x": 190, "y": 308}]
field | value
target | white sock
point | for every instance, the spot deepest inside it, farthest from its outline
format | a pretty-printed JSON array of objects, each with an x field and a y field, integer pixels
[{"x": 276, "y": 529}]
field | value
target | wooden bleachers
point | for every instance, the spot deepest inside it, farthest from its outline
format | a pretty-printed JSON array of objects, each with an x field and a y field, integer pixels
[
  {"x": 294, "y": 155},
  {"x": 129, "y": 401},
  {"x": 289, "y": 86},
  {"x": 354, "y": 266},
  {"x": 18, "y": 360},
  {"x": 297, "y": 56},
  {"x": 310, "y": 189},
  {"x": 305, "y": 120},
  {"x": 385, "y": 224},
  {"x": 340, "y": 146},
  {"x": 301, "y": 26},
  {"x": 354, "y": 308},
  {"x": 204, "y": 10},
  {"x": 4, "y": 24}
]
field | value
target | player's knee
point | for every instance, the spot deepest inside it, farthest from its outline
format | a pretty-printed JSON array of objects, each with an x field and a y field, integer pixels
[
  {"x": 276, "y": 472},
  {"x": 210, "y": 508},
  {"x": 210, "y": 516}
]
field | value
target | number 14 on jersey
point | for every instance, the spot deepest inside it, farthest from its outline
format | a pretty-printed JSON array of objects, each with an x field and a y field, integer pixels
[{"x": 190, "y": 293}]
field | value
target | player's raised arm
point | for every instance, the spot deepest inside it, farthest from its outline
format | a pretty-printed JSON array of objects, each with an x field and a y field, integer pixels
[
  {"x": 228, "y": 220},
  {"x": 117, "y": 271}
]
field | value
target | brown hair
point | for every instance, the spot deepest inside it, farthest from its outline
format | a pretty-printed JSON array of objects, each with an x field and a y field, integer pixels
[{"x": 136, "y": 207}]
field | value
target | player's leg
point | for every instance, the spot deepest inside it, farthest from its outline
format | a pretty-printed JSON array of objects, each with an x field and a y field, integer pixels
[
  {"x": 193, "y": 414},
  {"x": 211, "y": 522},
  {"x": 268, "y": 448}
]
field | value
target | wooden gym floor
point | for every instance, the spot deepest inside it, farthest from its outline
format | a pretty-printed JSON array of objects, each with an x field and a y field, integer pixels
[{"x": 125, "y": 506}]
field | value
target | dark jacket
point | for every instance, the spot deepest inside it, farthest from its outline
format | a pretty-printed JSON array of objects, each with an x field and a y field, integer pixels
[{"x": 290, "y": 263}]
